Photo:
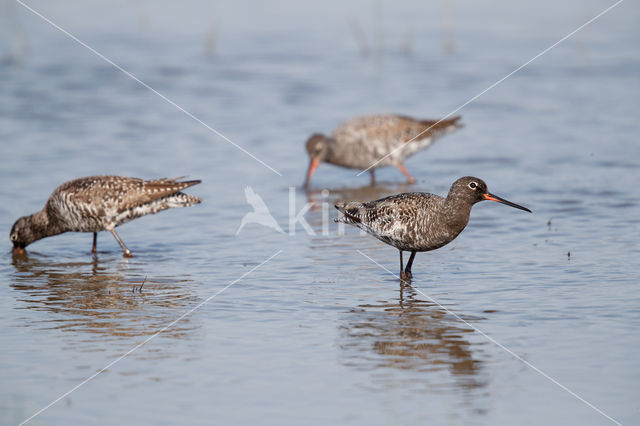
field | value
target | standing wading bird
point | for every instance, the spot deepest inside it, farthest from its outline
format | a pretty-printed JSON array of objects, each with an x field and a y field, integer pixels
[
  {"x": 417, "y": 221},
  {"x": 373, "y": 141},
  {"x": 99, "y": 203}
]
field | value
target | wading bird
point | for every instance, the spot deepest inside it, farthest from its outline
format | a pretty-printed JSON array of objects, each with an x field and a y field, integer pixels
[
  {"x": 99, "y": 203},
  {"x": 373, "y": 141},
  {"x": 418, "y": 221}
]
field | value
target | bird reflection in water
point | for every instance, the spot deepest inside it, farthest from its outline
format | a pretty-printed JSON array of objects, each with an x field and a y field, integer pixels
[
  {"x": 413, "y": 335},
  {"x": 100, "y": 297}
]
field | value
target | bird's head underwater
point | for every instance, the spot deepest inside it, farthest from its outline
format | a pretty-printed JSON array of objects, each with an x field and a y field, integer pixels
[{"x": 22, "y": 234}]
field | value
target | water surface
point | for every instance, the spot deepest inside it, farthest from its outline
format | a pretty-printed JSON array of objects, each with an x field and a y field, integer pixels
[{"x": 320, "y": 334}]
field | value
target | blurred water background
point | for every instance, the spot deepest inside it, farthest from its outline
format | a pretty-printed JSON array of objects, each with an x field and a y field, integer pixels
[{"x": 320, "y": 334}]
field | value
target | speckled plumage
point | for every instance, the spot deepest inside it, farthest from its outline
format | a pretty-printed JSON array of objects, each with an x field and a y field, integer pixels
[
  {"x": 374, "y": 141},
  {"x": 100, "y": 203},
  {"x": 409, "y": 221},
  {"x": 418, "y": 221}
]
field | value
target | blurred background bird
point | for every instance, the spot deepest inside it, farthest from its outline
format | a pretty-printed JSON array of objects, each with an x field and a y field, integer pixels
[{"x": 373, "y": 141}]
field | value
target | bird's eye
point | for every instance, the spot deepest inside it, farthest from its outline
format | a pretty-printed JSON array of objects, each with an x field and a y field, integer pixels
[
  {"x": 13, "y": 237},
  {"x": 473, "y": 185}
]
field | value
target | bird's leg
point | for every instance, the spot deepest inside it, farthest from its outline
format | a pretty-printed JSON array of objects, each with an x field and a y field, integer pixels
[
  {"x": 373, "y": 177},
  {"x": 402, "y": 277},
  {"x": 95, "y": 242},
  {"x": 127, "y": 252},
  {"x": 406, "y": 173},
  {"x": 407, "y": 270}
]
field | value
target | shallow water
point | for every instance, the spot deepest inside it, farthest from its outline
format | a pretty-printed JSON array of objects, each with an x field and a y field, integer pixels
[{"x": 320, "y": 333}]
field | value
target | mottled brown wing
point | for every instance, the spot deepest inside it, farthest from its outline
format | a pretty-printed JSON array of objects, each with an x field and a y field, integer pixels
[
  {"x": 122, "y": 193},
  {"x": 138, "y": 193},
  {"x": 420, "y": 129},
  {"x": 374, "y": 129},
  {"x": 392, "y": 214}
]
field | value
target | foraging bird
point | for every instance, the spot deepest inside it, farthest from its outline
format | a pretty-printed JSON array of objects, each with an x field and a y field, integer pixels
[
  {"x": 99, "y": 203},
  {"x": 373, "y": 141},
  {"x": 417, "y": 221}
]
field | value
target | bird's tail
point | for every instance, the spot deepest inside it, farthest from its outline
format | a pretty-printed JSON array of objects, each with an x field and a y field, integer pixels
[
  {"x": 444, "y": 126},
  {"x": 351, "y": 212},
  {"x": 189, "y": 183}
]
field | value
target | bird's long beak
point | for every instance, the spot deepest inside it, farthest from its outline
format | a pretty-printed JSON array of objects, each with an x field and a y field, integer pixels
[
  {"x": 491, "y": 197},
  {"x": 313, "y": 165}
]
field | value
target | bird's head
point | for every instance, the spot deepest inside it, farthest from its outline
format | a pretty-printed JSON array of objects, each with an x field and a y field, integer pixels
[
  {"x": 22, "y": 234},
  {"x": 471, "y": 190},
  {"x": 318, "y": 149}
]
